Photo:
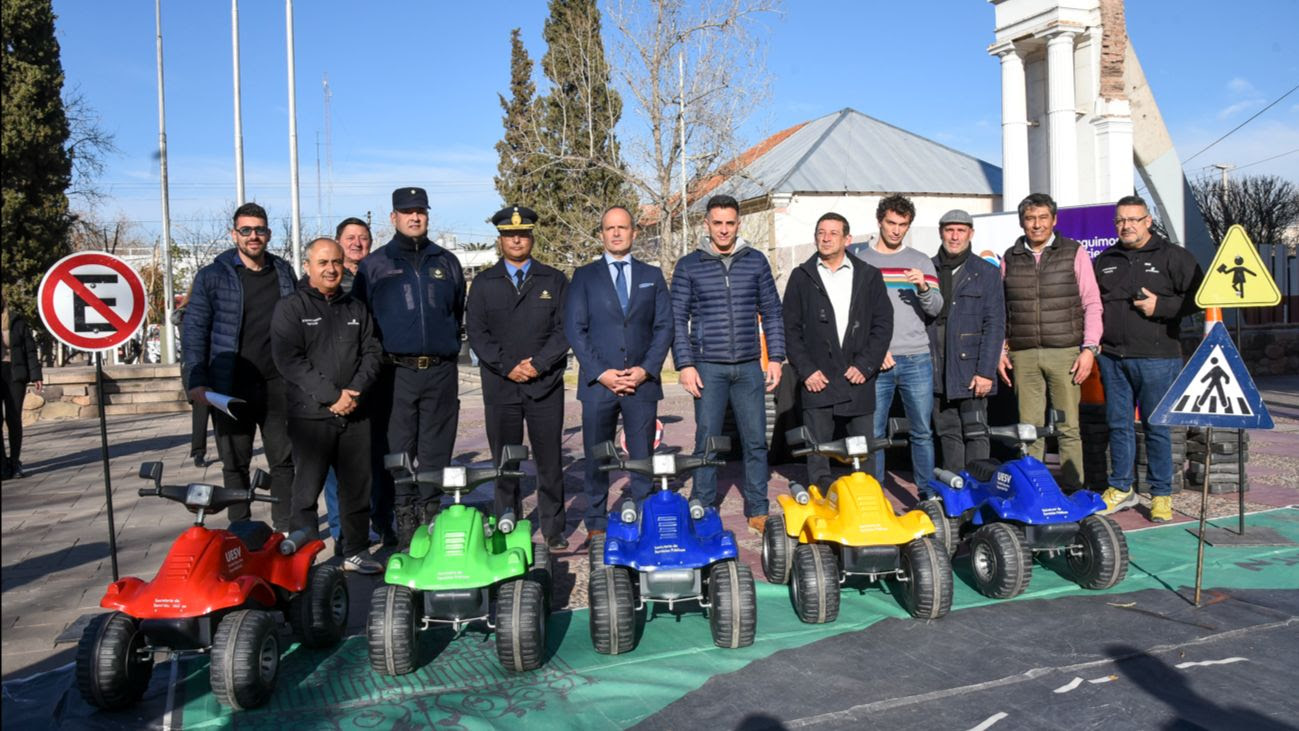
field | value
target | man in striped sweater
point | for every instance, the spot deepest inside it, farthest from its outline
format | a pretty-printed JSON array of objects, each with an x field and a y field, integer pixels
[{"x": 908, "y": 367}]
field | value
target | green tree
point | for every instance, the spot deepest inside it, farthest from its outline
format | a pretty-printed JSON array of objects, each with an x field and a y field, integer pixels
[
  {"x": 516, "y": 179},
  {"x": 34, "y": 163}
]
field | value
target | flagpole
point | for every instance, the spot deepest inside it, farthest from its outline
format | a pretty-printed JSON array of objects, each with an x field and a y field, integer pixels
[
  {"x": 168, "y": 334},
  {"x": 240, "y": 198},
  {"x": 293, "y": 143}
]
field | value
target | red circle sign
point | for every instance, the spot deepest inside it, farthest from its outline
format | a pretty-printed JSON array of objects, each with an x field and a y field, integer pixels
[{"x": 92, "y": 301}]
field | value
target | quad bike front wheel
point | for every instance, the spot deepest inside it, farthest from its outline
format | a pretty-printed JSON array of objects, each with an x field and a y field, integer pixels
[
  {"x": 390, "y": 630},
  {"x": 815, "y": 583},
  {"x": 926, "y": 579},
  {"x": 1001, "y": 561},
  {"x": 613, "y": 609},
  {"x": 521, "y": 625},
  {"x": 734, "y": 609},
  {"x": 777, "y": 551},
  {"x": 1098, "y": 556},
  {"x": 318, "y": 613},
  {"x": 112, "y": 669},
  {"x": 947, "y": 531},
  {"x": 245, "y": 659}
]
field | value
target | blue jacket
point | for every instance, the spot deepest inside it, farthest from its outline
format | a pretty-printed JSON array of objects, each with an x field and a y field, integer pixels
[
  {"x": 976, "y": 328},
  {"x": 715, "y": 309},
  {"x": 210, "y": 331},
  {"x": 418, "y": 310},
  {"x": 603, "y": 338}
]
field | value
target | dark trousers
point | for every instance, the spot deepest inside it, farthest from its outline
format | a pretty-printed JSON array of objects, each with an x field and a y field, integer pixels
[
  {"x": 545, "y": 420},
  {"x": 422, "y": 422},
  {"x": 378, "y": 407},
  {"x": 266, "y": 410},
  {"x": 959, "y": 446},
  {"x": 599, "y": 422},
  {"x": 822, "y": 422},
  {"x": 14, "y": 393},
  {"x": 200, "y": 415},
  {"x": 318, "y": 445}
]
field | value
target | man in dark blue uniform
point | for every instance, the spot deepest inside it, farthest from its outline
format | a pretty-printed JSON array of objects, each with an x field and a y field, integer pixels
[
  {"x": 515, "y": 325},
  {"x": 416, "y": 291}
]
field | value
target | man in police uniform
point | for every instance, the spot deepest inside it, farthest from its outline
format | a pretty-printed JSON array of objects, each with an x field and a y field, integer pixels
[
  {"x": 415, "y": 290},
  {"x": 515, "y": 325}
]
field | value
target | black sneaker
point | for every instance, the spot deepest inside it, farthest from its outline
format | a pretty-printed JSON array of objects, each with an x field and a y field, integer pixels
[
  {"x": 361, "y": 563},
  {"x": 200, "y": 461},
  {"x": 558, "y": 543},
  {"x": 16, "y": 468}
]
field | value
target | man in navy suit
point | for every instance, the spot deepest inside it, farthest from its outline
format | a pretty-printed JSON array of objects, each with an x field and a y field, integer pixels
[{"x": 618, "y": 319}]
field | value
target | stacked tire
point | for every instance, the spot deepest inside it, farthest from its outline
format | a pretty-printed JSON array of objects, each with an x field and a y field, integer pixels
[
  {"x": 1230, "y": 448},
  {"x": 1095, "y": 433},
  {"x": 1178, "y": 437}
]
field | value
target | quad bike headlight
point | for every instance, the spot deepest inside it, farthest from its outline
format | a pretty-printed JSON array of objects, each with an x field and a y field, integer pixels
[
  {"x": 454, "y": 477},
  {"x": 1027, "y": 433},
  {"x": 665, "y": 464},
  {"x": 856, "y": 446},
  {"x": 198, "y": 495}
]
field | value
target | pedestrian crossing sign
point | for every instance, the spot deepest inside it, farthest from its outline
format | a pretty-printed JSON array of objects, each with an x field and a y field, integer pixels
[
  {"x": 1237, "y": 277},
  {"x": 1214, "y": 389}
]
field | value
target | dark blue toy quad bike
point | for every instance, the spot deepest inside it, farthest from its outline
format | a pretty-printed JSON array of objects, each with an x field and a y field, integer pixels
[
  {"x": 667, "y": 550},
  {"x": 1009, "y": 512}
]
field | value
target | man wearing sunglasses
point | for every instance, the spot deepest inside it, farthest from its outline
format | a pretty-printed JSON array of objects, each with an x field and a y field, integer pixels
[{"x": 227, "y": 337}]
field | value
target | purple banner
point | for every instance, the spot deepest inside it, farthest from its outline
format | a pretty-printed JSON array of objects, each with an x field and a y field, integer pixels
[{"x": 1091, "y": 226}]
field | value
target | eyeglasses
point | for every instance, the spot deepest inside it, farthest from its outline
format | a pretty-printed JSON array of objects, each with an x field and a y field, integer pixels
[
  {"x": 250, "y": 230},
  {"x": 1134, "y": 220}
]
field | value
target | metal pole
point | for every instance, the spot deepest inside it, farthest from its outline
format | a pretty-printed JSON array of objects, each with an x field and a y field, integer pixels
[
  {"x": 293, "y": 143},
  {"x": 168, "y": 333},
  {"x": 1204, "y": 510},
  {"x": 240, "y": 199},
  {"x": 1240, "y": 443},
  {"x": 685, "y": 200},
  {"x": 103, "y": 451}
]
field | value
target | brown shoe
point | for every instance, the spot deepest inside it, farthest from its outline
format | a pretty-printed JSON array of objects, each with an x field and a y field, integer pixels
[{"x": 758, "y": 524}]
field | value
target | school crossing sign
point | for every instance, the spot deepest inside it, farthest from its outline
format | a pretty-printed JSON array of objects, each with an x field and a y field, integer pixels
[
  {"x": 1214, "y": 389},
  {"x": 1237, "y": 277}
]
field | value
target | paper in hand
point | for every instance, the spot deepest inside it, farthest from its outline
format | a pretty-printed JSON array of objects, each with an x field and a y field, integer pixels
[{"x": 223, "y": 402}]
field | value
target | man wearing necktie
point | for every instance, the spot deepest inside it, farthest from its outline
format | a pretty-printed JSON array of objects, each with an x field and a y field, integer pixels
[
  {"x": 618, "y": 318},
  {"x": 514, "y": 324}
]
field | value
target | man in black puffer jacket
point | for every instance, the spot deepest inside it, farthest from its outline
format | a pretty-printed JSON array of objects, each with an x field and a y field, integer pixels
[{"x": 323, "y": 342}]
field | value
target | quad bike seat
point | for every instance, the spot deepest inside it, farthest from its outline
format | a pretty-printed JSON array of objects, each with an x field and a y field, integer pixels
[
  {"x": 983, "y": 469},
  {"x": 254, "y": 533}
]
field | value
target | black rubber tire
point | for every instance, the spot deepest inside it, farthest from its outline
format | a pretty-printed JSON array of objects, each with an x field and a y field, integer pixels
[
  {"x": 1098, "y": 557},
  {"x": 245, "y": 659},
  {"x": 947, "y": 531},
  {"x": 815, "y": 583},
  {"x": 111, "y": 672},
  {"x": 927, "y": 590},
  {"x": 1000, "y": 560},
  {"x": 733, "y": 616},
  {"x": 318, "y": 613},
  {"x": 390, "y": 630},
  {"x": 520, "y": 625},
  {"x": 541, "y": 570},
  {"x": 613, "y": 610},
  {"x": 595, "y": 551},
  {"x": 777, "y": 551}
]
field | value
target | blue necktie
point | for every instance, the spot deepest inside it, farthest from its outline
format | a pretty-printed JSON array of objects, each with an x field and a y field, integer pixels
[
  {"x": 620, "y": 284},
  {"x": 518, "y": 279}
]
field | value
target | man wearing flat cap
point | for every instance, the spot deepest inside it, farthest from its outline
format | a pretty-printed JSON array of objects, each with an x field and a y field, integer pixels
[
  {"x": 415, "y": 290},
  {"x": 515, "y": 324}
]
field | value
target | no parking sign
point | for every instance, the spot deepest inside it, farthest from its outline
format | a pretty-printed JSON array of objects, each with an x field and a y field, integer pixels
[{"x": 92, "y": 301}]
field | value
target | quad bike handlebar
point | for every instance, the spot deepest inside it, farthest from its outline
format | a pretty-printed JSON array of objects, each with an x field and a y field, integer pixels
[
  {"x": 454, "y": 478},
  {"x": 1024, "y": 434},
  {"x": 203, "y": 498},
  {"x": 664, "y": 465},
  {"x": 849, "y": 448}
]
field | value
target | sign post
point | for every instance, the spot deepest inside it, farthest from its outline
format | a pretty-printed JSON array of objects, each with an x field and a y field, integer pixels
[{"x": 94, "y": 301}]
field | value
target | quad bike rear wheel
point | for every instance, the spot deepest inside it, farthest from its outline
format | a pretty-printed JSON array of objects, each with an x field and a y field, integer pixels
[
  {"x": 521, "y": 625},
  {"x": 613, "y": 609},
  {"x": 1001, "y": 561},
  {"x": 927, "y": 579},
  {"x": 947, "y": 531},
  {"x": 777, "y": 551},
  {"x": 390, "y": 629},
  {"x": 1098, "y": 556},
  {"x": 112, "y": 670},
  {"x": 815, "y": 583},
  {"x": 245, "y": 659},
  {"x": 733, "y": 616},
  {"x": 318, "y": 613}
]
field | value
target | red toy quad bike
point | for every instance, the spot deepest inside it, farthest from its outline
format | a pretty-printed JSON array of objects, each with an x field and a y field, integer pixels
[{"x": 222, "y": 592}]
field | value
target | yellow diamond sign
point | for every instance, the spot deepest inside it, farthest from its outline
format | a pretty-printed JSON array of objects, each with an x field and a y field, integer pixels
[{"x": 1237, "y": 277}]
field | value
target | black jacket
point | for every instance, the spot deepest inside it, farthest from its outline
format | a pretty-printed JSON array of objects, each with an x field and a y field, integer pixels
[
  {"x": 25, "y": 362},
  {"x": 1171, "y": 273},
  {"x": 322, "y": 346},
  {"x": 506, "y": 325},
  {"x": 812, "y": 340}
]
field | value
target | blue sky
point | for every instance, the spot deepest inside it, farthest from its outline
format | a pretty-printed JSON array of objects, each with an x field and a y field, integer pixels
[{"x": 415, "y": 89}]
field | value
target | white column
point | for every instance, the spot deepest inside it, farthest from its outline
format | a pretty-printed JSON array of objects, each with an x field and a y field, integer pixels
[
  {"x": 1113, "y": 123},
  {"x": 1014, "y": 129},
  {"x": 1062, "y": 138}
]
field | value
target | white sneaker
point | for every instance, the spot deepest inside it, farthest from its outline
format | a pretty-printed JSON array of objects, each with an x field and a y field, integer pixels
[{"x": 362, "y": 564}]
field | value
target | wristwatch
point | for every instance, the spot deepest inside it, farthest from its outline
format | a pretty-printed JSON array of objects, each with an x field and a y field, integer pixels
[{"x": 1095, "y": 349}]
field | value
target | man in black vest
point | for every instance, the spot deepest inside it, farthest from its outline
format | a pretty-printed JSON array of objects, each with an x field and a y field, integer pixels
[
  {"x": 838, "y": 325},
  {"x": 515, "y": 324},
  {"x": 1053, "y": 328}
]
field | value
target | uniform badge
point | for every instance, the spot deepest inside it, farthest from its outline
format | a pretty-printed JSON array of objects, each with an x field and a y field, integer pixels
[
  {"x": 438, "y": 273},
  {"x": 545, "y": 294}
]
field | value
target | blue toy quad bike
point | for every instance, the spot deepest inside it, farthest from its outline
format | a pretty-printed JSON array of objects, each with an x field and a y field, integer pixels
[
  {"x": 1009, "y": 512},
  {"x": 463, "y": 568},
  {"x": 676, "y": 550}
]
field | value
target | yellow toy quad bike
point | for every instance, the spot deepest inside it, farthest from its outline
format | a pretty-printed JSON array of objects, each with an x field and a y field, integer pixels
[{"x": 851, "y": 530}]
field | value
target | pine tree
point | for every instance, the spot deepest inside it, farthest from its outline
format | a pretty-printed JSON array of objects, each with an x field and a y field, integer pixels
[
  {"x": 34, "y": 164},
  {"x": 515, "y": 179}
]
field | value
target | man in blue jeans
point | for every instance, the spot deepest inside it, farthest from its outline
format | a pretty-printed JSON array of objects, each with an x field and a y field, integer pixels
[
  {"x": 718, "y": 293},
  {"x": 1147, "y": 286},
  {"x": 908, "y": 367}
]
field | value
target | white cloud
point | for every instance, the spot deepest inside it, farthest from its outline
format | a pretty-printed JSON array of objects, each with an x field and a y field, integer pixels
[
  {"x": 1241, "y": 87},
  {"x": 1233, "y": 109}
]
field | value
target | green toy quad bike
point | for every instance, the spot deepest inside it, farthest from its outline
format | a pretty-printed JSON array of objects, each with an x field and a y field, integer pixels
[{"x": 464, "y": 567}]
